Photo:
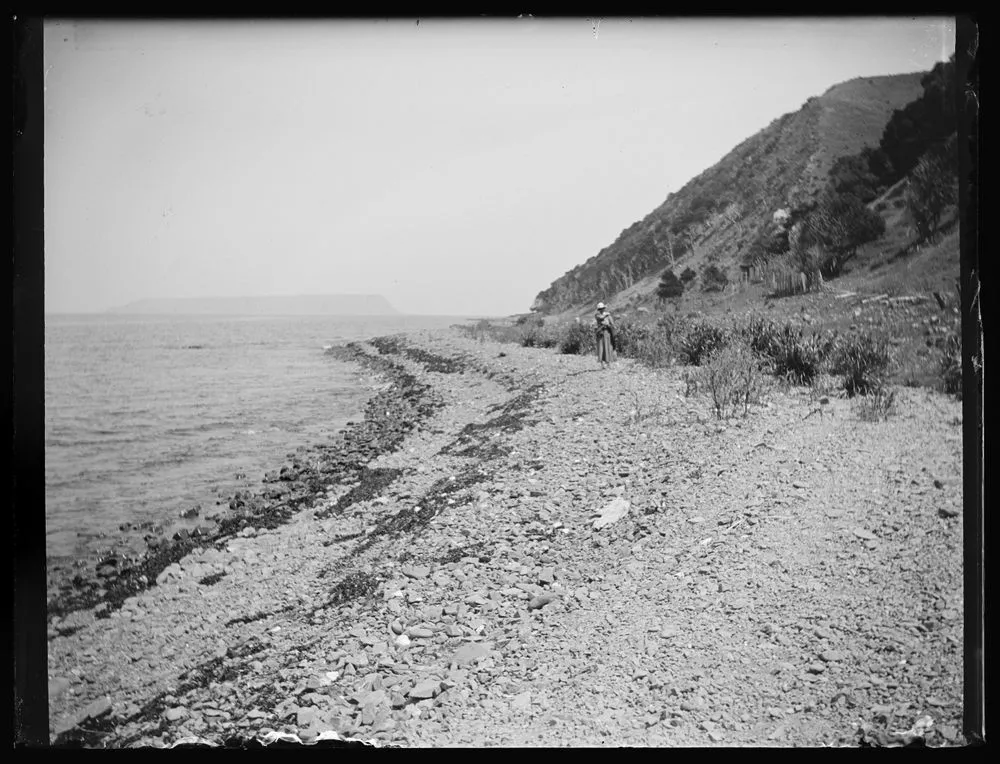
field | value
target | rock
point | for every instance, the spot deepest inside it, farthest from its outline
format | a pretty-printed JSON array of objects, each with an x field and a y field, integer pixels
[
  {"x": 470, "y": 652},
  {"x": 669, "y": 631},
  {"x": 938, "y": 484},
  {"x": 612, "y": 513},
  {"x": 861, "y": 533},
  {"x": 416, "y": 571},
  {"x": 948, "y": 732},
  {"x": 536, "y": 603},
  {"x": 433, "y": 613},
  {"x": 373, "y": 698},
  {"x": 546, "y": 576},
  {"x": 420, "y": 633},
  {"x": 948, "y": 512},
  {"x": 175, "y": 714},
  {"x": 58, "y": 687},
  {"x": 429, "y": 688},
  {"x": 521, "y": 702},
  {"x": 305, "y": 716},
  {"x": 96, "y": 709}
]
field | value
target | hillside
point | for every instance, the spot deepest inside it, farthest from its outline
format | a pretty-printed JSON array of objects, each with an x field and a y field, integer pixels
[
  {"x": 298, "y": 305},
  {"x": 717, "y": 216}
]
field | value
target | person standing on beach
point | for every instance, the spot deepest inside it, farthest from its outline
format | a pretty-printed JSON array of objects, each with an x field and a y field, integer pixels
[{"x": 605, "y": 336}]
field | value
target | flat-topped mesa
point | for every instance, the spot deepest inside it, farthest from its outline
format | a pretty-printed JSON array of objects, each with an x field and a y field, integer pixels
[{"x": 289, "y": 305}]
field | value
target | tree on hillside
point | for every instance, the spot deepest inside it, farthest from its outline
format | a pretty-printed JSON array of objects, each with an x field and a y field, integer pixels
[
  {"x": 714, "y": 279},
  {"x": 840, "y": 224},
  {"x": 931, "y": 190},
  {"x": 853, "y": 175},
  {"x": 929, "y": 120},
  {"x": 670, "y": 286}
]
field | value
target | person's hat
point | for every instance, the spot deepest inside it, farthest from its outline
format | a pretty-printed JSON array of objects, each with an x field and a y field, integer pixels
[{"x": 600, "y": 306}]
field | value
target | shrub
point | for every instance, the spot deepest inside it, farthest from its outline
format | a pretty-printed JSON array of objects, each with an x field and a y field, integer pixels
[
  {"x": 537, "y": 337},
  {"x": 714, "y": 279},
  {"x": 688, "y": 275},
  {"x": 797, "y": 357},
  {"x": 670, "y": 286},
  {"x": 863, "y": 361},
  {"x": 762, "y": 335},
  {"x": 629, "y": 337},
  {"x": 734, "y": 376},
  {"x": 950, "y": 363},
  {"x": 577, "y": 339},
  {"x": 877, "y": 405},
  {"x": 530, "y": 319},
  {"x": 699, "y": 341},
  {"x": 932, "y": 188}
]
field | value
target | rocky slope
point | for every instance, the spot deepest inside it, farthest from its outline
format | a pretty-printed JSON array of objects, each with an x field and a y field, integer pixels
[
  {"x": 558, "y": 555},
  {"x": 716, "y": 215}
]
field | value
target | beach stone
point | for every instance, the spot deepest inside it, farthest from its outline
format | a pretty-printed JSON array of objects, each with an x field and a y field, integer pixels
[
  {"x": 536, "y": 603},
  {"x": 471, "y": 652},
  {"x": 612, "y": 513},
  {"x": 521, "y": 702},
  {"x": 58, "y": 687},
  {"x": 416, "y": 571},
  {"x": 175, "y": 714},
  {"x": 427, "y": 689}
]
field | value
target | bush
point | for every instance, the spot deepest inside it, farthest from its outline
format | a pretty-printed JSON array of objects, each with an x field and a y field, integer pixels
[
  {"x": 688, "y": 275},
  {"x": 714, "y": 279},
  {"x": 950, "y": 363},
  {"x": 798, "y": 358},
  {"x": 577, "y": 339},
  {"x": 734, "y": 376},
  {"x": 630, "y": 337},
  {"x": 670, "y": 286},
  {"x": 699, "y": 341},
  {"x": 863, "y": 361},
  {"x": 530, "y": 319},
  {"x": 762, "y": 335},
  {"x": 877, "y": 405},
  {"x": 537, "y": 337},
  {"x": 932, "y": 188}
]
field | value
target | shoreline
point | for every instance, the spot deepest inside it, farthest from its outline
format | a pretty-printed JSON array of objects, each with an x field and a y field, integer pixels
[
  {"x": 459, "y": 593},
  {"x": 281, "y": 493}
]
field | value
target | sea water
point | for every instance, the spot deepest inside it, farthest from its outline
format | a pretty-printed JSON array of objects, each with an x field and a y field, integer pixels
[{"x": 148, "y": 417}]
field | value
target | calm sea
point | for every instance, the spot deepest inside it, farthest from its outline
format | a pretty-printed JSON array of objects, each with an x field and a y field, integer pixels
[{"x": 149, "y": 416}]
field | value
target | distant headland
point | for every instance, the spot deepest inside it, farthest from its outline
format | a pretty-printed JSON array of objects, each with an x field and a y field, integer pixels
[{"x": 295, "y": 305}]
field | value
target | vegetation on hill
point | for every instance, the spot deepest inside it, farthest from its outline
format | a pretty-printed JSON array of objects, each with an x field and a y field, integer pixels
[{"x": 869, "y": 158}]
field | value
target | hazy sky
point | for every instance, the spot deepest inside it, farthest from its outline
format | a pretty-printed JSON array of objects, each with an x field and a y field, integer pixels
[{"x": 456, "y": 167}]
